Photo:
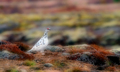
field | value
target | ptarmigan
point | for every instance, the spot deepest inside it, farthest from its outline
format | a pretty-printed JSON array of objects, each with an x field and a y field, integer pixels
[{"x": 41, "y": 44}]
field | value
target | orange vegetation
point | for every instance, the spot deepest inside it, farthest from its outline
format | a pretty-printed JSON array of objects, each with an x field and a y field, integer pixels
[
  {"x": 101, "y": 50},
  {"x": 15, "y": 49},
  {"x": 111, "y": 68},
  {"x": 22, "y": 46},
  {"x": 96, "y": 51},
  {"x": 80, "y": 69},
  {"x": 75, "y": 50}
]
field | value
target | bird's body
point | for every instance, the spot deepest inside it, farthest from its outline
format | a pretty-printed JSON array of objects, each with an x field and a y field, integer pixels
[{"x": 41, "y": 44}]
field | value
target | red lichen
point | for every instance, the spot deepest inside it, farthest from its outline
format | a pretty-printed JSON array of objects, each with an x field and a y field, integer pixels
[
  {"x": 101, "y": 50},
  {"x": 6, "y": 42},
  {"x": 76, "y": 50},
  {"x": 96, "y": 52},
  {"x": 22, "y": 46},
  {"x": 15, "y": 49},
  {"x": 99, "y": 56},
  {"x": 111, "y": 68}
]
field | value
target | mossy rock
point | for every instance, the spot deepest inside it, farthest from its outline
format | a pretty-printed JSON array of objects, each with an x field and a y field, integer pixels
[{"x": 54, "y": 48}]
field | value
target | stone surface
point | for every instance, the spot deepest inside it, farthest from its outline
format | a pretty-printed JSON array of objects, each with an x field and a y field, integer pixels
[
  {"x": 66, "y": 54},
  {"x": 82, "y": 46},
  {"x": 23, "y": 70},
  {"x": 48, "y": 65},
  {"x": 87, "y": 57},
  {"x": 87, "y": 53},
  {"x": 54, "y": 48},
  {"x": 8, "y": 55}
]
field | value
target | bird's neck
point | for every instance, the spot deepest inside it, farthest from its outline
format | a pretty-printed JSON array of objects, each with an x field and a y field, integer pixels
[{"x": 45, "y": 33}]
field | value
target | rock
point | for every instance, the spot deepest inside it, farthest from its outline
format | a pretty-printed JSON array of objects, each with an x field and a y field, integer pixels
[
  {"x": 66, "y": 54},
  {"x": 87, "y": 53},
  {"x": 11, "y": 25},
  {"x": 84, "y": 57},
  {"x": 23, "y": 70},
  {"x": 91, "y": 59},
  {"x": 13, "y": 56},
  {"x": 82, "y": 46},
  {"x": 48, "y": 65},
  {"x": 87, "y": 57},
  {"x": 115, "y": 49},
  {"x": 6, "y": 54},
  {"x": 114, "y": 60},
  {"x": 117, "y": 53},
  {"x": 54, "y": 48}
]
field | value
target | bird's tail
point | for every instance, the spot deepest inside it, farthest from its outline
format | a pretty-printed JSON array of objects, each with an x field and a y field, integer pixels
[{"x": 31, "y": 50}]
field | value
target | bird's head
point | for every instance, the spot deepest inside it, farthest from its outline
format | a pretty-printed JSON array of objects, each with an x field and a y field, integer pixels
[{"x": 48, "y": 29}]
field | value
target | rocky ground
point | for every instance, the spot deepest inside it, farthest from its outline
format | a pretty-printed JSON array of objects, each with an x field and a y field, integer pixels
[
  {"x": 68, "y": 29},
  {"x": 75, "y": 58}
]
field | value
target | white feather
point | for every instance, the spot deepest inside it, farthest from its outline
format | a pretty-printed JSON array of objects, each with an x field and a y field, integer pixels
[{"x": 41, "y": 44}]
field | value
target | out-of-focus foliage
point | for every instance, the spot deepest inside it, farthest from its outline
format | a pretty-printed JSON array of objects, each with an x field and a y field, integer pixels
[
  {"x": 66, "y": 19},
  {"x": 78, "y": 27}
]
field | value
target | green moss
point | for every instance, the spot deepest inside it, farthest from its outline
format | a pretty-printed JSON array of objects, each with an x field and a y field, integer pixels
[
  {"x": 12, "y": 70},
  {"x": 60, "y": 64},
  {"x": 29, "y": 63},
  {"x": 108, "y": 62}
]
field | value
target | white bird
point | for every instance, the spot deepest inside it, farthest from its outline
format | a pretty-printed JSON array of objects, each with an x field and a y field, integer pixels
[{"x": 42, "y": 43}]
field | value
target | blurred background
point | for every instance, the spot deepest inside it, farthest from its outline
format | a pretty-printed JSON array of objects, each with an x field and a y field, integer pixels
[{"x": 72, "y": 22}]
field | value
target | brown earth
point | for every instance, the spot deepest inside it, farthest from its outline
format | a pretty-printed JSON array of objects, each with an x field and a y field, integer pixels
[
  {"x": 60, "y": 62},
  {"x": 53, "y": 6}
]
